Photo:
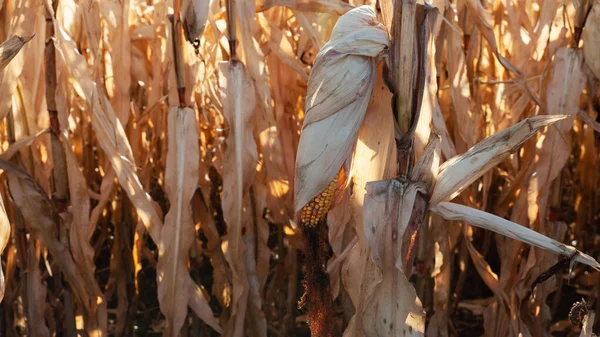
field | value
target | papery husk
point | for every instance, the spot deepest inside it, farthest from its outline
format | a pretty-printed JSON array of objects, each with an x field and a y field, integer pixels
[{"x": 195, "y": 16}]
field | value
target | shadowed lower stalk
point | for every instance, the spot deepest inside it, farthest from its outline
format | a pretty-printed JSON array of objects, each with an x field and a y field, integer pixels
[
  {"x": 60, "y": 182},
  {"x": 317, "y": 291}
]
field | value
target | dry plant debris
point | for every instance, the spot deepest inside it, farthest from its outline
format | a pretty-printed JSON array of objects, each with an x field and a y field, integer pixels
[{"x": 299, "y": 167}]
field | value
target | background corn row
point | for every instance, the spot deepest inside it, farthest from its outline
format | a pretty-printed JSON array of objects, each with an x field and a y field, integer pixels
[{"x": 91, "y": 226}]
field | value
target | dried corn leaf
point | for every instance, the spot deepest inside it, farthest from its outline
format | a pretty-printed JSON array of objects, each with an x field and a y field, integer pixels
[
  {"x": 553, "y": 148},
  {"x": 591, "y": 39},
  {"x": 35, "y": 291},
  {"x": 475, "y": 217},
  {"x": 588, "y": 325},
  {"x": 4, "y": 227},
  {"x": 394, "y": 308},
  {"x": 239, "y": 164},
  {"x": 177, "y": 236},
  {"x": 339, "y": 89},
  {"x": 109, "y": 131},
  {"x": 11, "y": 47},
  {"x": 79, "y": 238},
  {"x": 9, "y": 72},
  {"x": 331, "y": 6},
  {"x": 589, "y": 121},
  {"x": 16, "y": 146},
  {"x": 39, "y": 212},
  {"x": 459, "y": 172}
]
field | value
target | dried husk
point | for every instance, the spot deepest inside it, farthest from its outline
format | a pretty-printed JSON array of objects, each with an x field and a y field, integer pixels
[{"x": 195, "y": 16}]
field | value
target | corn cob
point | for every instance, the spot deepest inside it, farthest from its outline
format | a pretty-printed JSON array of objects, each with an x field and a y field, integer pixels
[{"x": 316, "y": 210}]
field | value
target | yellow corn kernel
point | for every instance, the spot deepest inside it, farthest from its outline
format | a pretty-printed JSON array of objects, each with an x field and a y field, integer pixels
[{"x": 316, "y": 210}]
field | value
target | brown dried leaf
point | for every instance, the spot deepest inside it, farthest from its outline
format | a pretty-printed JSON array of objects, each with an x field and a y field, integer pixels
[
  {"x": 4, "y": 237},
  {"x": 177, "y": 236},
  {"x": 589, "y": 120},
  {"x": 553, "y": 148}
]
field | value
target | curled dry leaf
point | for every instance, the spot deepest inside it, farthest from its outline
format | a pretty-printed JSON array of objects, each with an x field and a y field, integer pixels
[
  {"x": 177, "y": 236},
  {"x": 339, "y": 89},
  {"x": 11, "y": 47},
  {"x": 475, "y": 217},
  {"x": 458, "y": 172}
]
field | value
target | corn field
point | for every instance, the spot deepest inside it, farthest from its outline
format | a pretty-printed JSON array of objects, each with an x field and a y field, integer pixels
[{"x": 299, "y": 168}]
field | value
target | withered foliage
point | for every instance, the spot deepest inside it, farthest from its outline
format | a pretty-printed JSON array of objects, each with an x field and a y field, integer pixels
[{"x": 159, "y": 161}]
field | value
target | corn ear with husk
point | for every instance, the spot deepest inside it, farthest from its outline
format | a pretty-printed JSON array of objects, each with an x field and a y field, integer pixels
[
  {"x": 195, "y": 16},
  {"x": 339, "y": 89},
  {"x": 11, "y": 47}
]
